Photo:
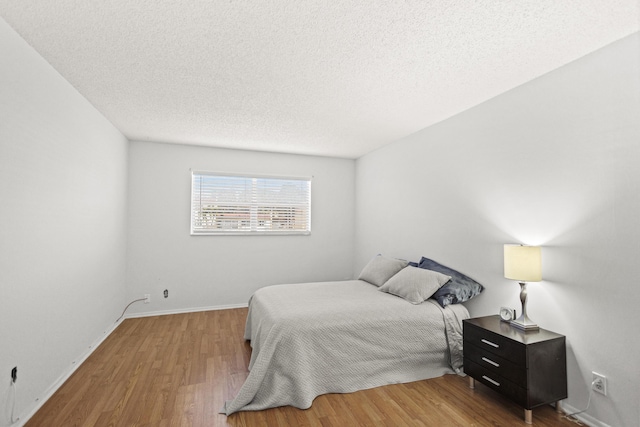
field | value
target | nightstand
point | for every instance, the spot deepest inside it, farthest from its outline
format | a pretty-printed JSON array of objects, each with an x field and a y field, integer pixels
[{"x": 530, "y": 368}]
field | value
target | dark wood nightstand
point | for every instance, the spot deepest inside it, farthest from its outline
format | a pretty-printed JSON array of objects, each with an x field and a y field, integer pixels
[{"x": 529, "y": 368}]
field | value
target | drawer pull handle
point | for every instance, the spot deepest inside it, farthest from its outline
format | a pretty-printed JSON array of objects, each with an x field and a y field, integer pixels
[
  {"x": 494, "y": 382},
  {"x": 492, "y": 344},
  {"x": 491, "y": 362}
]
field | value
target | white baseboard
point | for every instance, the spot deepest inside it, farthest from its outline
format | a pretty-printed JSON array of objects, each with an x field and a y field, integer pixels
[
  {"x": 80, "y": 360},
  {"x": 185, "y": 310},
  {"x": 583, "y": 417},
  {"x": 65, "y": 376}
]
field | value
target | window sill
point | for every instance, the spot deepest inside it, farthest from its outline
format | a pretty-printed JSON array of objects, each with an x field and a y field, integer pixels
[{"x": 253, "y": 233}]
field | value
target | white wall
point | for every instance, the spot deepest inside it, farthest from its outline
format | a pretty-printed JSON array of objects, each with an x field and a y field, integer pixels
[
  {"x": 62, "y": 224},
  {"x": 555, "y": 163},
  {"x": 214, "y": 271}
]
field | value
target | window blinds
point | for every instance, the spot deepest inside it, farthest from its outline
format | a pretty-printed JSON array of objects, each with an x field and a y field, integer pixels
[{"x": 230, "y": 204}]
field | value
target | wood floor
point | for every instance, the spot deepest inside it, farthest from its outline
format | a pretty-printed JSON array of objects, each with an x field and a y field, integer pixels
[{"x": 178, "y": 370}]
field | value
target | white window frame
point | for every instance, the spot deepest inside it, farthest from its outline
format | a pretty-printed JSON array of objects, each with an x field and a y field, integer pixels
[{"x": 249, "y": 201}]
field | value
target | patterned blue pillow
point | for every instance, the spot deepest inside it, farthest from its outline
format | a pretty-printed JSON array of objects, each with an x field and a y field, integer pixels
[{"x": 459, "y": 289}]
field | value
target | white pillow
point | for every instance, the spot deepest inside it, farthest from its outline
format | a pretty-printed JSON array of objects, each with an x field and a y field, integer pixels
[
  {"x": 415, "y": 284},
  {"x": 380, "y": 269}
]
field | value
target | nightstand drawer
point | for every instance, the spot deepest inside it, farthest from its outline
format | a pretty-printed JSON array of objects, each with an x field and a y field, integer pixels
[
  {"x": 496, "y": 364},
  {"x": 496, "y": 344},
  {"x": 496, "y": 382}
]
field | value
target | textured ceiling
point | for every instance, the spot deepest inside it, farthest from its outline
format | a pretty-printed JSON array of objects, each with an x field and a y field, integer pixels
[{"x": 332, "y": 78}]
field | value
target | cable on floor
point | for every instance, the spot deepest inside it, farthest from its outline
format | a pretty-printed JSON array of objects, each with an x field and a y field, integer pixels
[{"x": 571, "y": 417}]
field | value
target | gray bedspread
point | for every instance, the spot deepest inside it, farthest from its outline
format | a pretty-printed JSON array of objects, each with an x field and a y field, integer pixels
[{"x": 338, "y": 337}]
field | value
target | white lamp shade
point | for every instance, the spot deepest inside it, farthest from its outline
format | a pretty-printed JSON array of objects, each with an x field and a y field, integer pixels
[{"x": 523, "y": 263}]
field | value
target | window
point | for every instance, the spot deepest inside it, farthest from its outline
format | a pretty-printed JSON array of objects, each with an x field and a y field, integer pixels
[{"x": 235, "y": 204}]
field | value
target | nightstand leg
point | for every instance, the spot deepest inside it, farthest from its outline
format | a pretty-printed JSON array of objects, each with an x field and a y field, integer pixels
[
  {"x": 528, "y": 416},
  {"x": 472, "y": 383},
  {"x": 559, "y": 407}
]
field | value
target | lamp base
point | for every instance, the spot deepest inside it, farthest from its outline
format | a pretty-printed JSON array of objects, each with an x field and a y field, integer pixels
[{"x": 524, "y": 323}]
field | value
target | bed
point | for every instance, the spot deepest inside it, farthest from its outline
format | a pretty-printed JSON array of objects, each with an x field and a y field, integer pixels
[{"x": 339, "y": 337}]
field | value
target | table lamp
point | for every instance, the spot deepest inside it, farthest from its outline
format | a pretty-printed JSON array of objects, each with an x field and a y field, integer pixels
[{"x": 524, "y": 264}]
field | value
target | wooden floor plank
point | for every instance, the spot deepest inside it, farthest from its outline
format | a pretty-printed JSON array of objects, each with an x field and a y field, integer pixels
[{"x": 178, "y": 370}]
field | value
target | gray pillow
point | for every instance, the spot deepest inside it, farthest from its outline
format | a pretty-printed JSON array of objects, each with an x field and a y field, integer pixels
[
  {"x": 415, "y": 284},
  {"x": 380, "y": 269}
]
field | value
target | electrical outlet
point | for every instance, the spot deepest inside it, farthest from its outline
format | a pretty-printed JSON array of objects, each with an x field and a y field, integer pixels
[
  {"x": 599, "y": 383},
  {"x": 147, "y": 298}
]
